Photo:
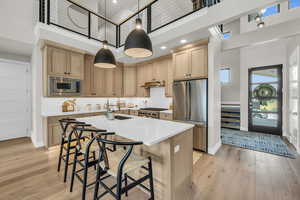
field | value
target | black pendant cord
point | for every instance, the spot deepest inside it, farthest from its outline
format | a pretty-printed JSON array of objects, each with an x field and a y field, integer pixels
[
  {"x": 105, "y": 21},
  {"x": 138, "y": 8}
]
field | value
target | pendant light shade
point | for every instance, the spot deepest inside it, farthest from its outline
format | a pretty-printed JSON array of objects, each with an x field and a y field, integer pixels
[
  {"x": 138, "y": 43},
  {"x": 105, "y": 58}
]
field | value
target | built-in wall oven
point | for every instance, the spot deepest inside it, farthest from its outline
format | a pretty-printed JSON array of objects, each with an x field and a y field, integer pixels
[{"x": 60, "y": 86}]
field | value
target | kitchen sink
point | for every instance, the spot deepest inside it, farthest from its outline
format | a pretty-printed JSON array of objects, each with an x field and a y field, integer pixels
[{"x": 119, "y": 117}]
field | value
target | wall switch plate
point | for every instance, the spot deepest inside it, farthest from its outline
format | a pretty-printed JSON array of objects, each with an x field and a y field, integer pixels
[{"x": 177, "y": 148}]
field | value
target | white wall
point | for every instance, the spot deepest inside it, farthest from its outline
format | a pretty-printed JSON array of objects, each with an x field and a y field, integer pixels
[
  {"x": 230, "y": 93},
  {"x": 17, "y": 20},
  {"x": 15, "y": 57},
  {"x": 285, "y": 15},
  {"x": 271, "y": 53},
  {"x": 214, "y": 96}
]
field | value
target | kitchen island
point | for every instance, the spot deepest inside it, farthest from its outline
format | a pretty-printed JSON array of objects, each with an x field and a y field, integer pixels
[{"x": 170, "y": 144}]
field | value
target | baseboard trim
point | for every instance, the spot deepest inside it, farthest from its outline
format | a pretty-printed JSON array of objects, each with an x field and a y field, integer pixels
[
  {"x": 243, "y": 129},
  {"x": 37, "y": 144},
  {"x": 214, "y": 149}
]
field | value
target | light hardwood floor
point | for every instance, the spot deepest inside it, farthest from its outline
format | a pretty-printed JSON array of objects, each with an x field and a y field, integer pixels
[{"x": 27, "y": 173}]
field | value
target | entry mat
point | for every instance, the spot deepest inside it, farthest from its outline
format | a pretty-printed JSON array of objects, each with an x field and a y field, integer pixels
[{"x": 257, "y": 141}]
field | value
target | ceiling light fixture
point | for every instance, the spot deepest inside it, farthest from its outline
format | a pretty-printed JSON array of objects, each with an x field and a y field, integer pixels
[
  {"x": 115, "y": 1},
  {"x": 183, "y": 41},
  {"x": 261, "y": 24},
  {"x": 163, "y": 47},
  {"x": 258, "y": 18},
  {"x": 104, "y": 57},
  {"x": 138, "y": 43}
]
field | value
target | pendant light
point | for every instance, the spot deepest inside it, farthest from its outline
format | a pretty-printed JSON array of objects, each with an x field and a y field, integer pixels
[
  {"x": 105, "y": 58},
  {"x": 138, "y": 43}
]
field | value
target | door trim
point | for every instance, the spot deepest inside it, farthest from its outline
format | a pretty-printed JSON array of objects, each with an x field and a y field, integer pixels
[{"x": 269, "y": 130}]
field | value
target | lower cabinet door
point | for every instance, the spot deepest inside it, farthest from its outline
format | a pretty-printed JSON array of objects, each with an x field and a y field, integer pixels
[{"x": 54, "y": 134}]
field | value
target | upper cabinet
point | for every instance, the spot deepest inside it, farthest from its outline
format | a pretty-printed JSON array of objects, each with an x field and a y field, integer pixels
[
  {"x": 143, "y": 77},
  {"x": 62, "y": 62},
  {"x": 129, "y": 81},
  {"x": 191, "y": 63},
  {"x": 76, "y": 66},
  {"x": 101, "y": 82},
  {"x": 199, "y": 59}
]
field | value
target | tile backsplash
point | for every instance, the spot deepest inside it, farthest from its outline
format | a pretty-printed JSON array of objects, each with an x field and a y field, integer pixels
[{"x": 157, "y": 99}]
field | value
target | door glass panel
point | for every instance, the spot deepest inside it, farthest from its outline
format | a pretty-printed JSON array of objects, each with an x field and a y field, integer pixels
[
  {"x": 265, "y": 87},
  {"x": 264, "y": 90},
  {"x": 264, "y": 105},
  {"x": 265, "y": 119},
  {"x": 265, "y": 76}
]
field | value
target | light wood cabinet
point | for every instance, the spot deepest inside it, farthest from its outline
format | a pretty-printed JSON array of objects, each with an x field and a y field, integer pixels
[
  {"x": 191, "y": 63},
  {"x": 160, "y": 70},
  {"x": 76, "y": 66},
  {"x": 54, "y": 134},
  {"x": 134, "y": 112},
  {"x": 130, "y": 81},
  {"x": 118, "y": 82},
  {"x": 66, "y": 63},
  {"x": 101, "y": 82},
  {"x": 109, "y": 79},
  {"x": 181, "y": 64},
  {"x": 169, "y": 82},
  {"x": 57, "y": 61},
  {"x": 198, "y": 67},
  {"x": 142, "y": 77},
  {"x": 166, "y": 116},
  {"x": 199, "y": 135}
]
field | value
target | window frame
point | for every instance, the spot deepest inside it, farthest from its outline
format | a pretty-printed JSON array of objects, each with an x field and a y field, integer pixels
[
  {"x": 229, "y": 74},
  {"x": 289, "y": 6}
]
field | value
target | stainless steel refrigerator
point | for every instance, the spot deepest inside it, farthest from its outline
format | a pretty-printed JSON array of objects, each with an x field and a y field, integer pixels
[{"x": 190, "y": 105}]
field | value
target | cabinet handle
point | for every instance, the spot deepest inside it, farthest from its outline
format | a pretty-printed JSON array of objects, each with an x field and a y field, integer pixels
[{"x": 65, "y": 73}]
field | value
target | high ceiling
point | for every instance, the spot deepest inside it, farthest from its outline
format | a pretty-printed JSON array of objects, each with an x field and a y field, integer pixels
[{"x": 162, "y": 10}]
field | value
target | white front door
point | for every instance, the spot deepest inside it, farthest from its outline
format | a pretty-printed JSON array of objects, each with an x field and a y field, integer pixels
[{"x": 14, "y": 100}]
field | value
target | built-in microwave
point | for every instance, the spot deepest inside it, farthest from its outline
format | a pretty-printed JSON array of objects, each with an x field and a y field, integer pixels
[{"x": 60, "y": 86}]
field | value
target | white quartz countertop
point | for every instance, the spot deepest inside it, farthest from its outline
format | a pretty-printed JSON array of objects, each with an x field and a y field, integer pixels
[
  {"x": 50, "y": 113},
  {"x": 147, "y": 130}
]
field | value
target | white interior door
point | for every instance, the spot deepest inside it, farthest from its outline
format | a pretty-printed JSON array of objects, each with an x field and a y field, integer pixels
[{"x": 14, "y": 100}]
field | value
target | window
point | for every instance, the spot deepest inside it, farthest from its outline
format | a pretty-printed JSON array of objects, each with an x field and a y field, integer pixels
[
  {"x": 226, "y": 35},
  {"x": 273, "y": 10},
  {"x": 225, "y": 75},
  {"x": 294, "y": 3}
]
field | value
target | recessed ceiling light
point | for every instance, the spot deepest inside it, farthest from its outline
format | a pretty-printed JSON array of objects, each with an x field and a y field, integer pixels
[
  {"x": 115, "y": 1},
  {"x": 183, "y": 41},
  {"x": 163, "y": 47}
]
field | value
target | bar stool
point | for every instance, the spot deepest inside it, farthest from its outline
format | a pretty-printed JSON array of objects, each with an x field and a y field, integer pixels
[
  {"x": 120, "y": 163},
  {"x": 85, "y": 149},
  {"x": 68, "y": 142}
]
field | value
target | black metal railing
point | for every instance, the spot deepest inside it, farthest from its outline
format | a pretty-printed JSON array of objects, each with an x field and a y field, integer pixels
[{"x": 91, "y": 25}]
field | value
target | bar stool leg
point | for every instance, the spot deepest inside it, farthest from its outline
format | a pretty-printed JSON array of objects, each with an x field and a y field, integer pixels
[
  {"x": 126, "y": 184},
  {"x": 86, "y": 160},
  {"x": 74, "y": 170},
  {"x": 60, "y": 154},
  {"x": 67, "y": 162},
  {"x": 97, "y": 183},
  {"x": 151, "y": 179}
]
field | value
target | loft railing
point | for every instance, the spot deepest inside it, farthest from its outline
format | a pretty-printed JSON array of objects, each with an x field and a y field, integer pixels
[{"x": 71, "y": 16}]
